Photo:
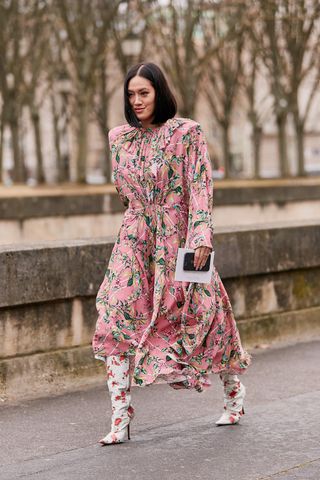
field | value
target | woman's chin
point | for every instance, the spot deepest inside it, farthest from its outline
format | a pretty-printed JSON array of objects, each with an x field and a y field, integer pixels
[{"x": 143, "y": 118}]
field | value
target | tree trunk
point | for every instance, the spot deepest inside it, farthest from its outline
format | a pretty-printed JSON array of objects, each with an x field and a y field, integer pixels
[
  {"x": 282, "y": 145},
  {"x": 82, "y": 139},
  {"x": 187, "y": 104},
  {"x": 13, "y": 115},
  {"x": 61, "y": 177},
  {"x": 186, "y": 111},
  {"x": 256, "y": 143},
  {"x": 226, "y": 150},
  {"x": 102, "y": 111},
  {"x": 18, "y": 171},
  {"x": 1, "y": 146},
  {"x": 37, "y": 138},
  {"x": 299, "y": 130},
  {"x": 106, "y": 165}
]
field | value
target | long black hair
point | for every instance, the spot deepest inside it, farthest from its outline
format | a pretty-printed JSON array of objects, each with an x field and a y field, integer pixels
[{"x": 165, "y": 103}]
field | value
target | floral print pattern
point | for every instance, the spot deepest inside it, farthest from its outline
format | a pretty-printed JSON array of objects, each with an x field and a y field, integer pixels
[
  {"x": 170, "y": 334},
  {"x": 118, "y": 381},
  {"x": 234, "y": 394}
]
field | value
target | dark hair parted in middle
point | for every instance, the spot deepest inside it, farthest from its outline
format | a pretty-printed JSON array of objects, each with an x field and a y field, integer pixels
[{"x": 165, "y": 103}]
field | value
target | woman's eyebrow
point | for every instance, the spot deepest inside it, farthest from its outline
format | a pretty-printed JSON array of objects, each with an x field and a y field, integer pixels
[{"x": 140, "y": 90}]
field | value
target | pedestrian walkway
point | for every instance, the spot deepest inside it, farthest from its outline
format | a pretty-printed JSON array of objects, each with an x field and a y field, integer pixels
[{"x": 173, "y": 435}]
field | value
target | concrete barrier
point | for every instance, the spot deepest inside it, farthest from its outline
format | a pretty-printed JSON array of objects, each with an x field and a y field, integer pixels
[
  {"x": 39, "y": 214},
  {"x": 47, "y": 300}
]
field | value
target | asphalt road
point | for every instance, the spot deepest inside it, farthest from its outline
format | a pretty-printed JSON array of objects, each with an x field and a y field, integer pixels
[{"x": 173, "y": 435}]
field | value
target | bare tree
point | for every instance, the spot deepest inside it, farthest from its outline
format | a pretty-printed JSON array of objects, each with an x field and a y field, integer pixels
[
  {"x": 102, "y": 99},
  {"x": 22, "y": 49},
  {"x": 174, "y": 32},
  {"x": 258, "y": 108},
  {"x": 59, "y": 90},
  {"x": 61, "y": 119},
  {"x": 126, "y": 44},
  {"x": 127, "y": 29},
  {"x": 37, "y": 37},
  {"x": 2, "y": 119},
  {"x": 253, "y": 115},
  {"x": 224, "y": 69},
  {"x": 267, "y": 37},
  {"x": 11, "y": 76},
  {"x": 86, "y": 24},
  {"x": 301, "y": 33},
  {"x": 289, "y": 47}
]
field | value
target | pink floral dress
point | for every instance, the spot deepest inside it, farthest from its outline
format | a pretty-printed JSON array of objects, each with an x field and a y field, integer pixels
[{"x": 169, "y": 334}]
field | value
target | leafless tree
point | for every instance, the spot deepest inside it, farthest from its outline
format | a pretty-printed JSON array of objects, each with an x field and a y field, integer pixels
[
  {"x": 22, "y": 50},
  {"x": 258, "y": 108},
  {"x": 34, "y": 76},
  {"x": 174, "y": 32},
  {"x": 301, "y": 32},
  {"x": 86, "y": 24},
  {"x": 59, "y": 88},
  {"x": 287, "y": 32},
  {"x": 103, "y": 94},
  {"x": 127, "y": 44},
  {"x": 127, "y": 29},
  {"x": 224, "y": 68},
  {"x": 11, "y": 76},
  {"x": 2, "y": 120}
]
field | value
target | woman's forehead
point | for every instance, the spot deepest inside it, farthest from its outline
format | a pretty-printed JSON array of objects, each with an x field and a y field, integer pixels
[{"x": 138, "y": 83}]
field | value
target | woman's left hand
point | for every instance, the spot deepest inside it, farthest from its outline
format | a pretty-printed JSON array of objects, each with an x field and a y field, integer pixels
[{"x": 200, "y": 256}]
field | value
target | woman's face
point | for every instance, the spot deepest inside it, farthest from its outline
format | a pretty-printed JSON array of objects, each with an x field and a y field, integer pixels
[{"x": 142, "y": 98}]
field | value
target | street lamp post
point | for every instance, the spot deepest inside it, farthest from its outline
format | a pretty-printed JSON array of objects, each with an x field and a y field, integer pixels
[{"x": 131, "y": 48}]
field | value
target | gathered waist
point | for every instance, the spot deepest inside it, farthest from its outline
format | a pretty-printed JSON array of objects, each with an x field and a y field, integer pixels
[{"x": 156, "y": 207}]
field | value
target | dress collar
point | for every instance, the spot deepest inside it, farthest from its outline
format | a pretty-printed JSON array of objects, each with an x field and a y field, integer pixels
[{"x": 163, "y": 133}]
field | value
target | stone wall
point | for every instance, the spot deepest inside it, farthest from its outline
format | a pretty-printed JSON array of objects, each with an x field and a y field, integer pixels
[
  {"x": 47, "y": 300},
  {"x": 33, "y": 215}
]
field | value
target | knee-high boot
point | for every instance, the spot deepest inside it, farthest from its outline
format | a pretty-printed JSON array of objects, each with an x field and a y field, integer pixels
[
  {"x": 118, "y": 381},
  {"x": 234, "y": 393}
]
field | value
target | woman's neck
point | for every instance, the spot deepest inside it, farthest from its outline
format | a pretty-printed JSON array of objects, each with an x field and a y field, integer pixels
[{"x": 148, "y": 124}]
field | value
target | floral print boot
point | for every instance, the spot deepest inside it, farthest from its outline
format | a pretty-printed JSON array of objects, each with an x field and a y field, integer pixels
[
  {"x": 118, "y": 381},
  {"x": 234, "y": 393}
]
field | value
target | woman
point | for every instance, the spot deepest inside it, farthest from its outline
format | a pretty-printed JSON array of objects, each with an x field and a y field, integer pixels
[{"x": 163, "y": 173}]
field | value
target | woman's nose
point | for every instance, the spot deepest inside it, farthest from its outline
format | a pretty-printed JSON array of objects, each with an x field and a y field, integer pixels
[{"x": 137, "y": 100}]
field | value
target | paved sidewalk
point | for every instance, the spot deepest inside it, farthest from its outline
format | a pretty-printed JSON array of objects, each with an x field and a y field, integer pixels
[{"x": 173, "y": 435}]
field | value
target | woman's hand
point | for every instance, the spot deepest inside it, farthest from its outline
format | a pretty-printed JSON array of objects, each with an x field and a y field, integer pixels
[{"x": 200, "y": 256}]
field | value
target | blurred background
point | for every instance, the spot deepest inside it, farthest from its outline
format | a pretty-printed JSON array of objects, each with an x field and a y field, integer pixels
[{"x": 248, "y": 71}]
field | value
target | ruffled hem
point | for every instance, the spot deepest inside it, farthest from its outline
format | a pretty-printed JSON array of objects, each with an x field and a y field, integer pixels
[{"x": 187, "y": 377}]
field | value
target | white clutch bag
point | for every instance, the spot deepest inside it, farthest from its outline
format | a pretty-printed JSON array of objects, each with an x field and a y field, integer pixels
[{"x": 183, "y": 274}]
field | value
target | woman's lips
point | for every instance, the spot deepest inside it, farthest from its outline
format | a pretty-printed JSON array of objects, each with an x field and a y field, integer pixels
[{"x": 138, "y": 110}]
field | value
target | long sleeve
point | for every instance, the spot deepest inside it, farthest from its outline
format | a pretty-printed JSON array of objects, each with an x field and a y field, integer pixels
[
  {"x": 112, "y": 135},
  {"x": 200, "y": 186}
]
